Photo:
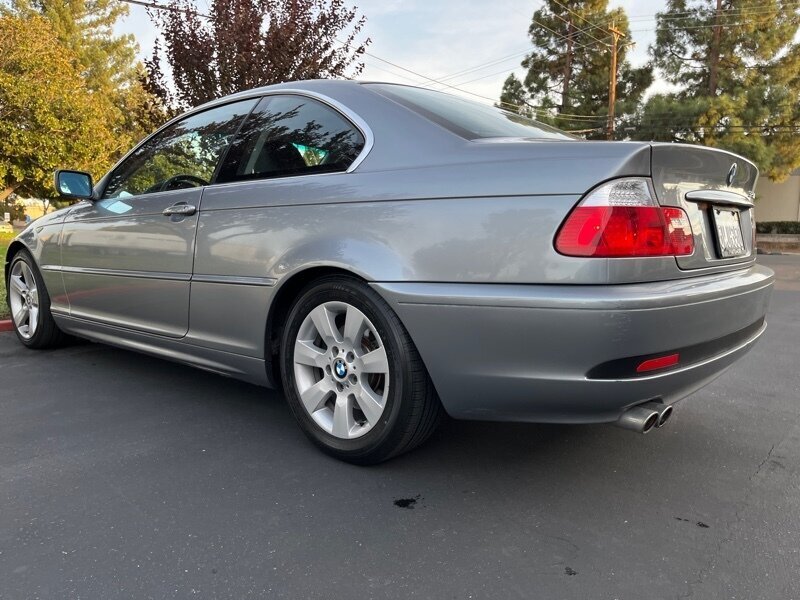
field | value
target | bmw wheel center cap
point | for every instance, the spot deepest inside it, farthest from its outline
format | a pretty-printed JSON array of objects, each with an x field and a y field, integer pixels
[{"x": 340, "y": 368}]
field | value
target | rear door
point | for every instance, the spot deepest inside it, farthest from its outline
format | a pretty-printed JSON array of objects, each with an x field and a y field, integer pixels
[
  {"x": 716, "y": 189},
  {"x": 127, "y": 258}
]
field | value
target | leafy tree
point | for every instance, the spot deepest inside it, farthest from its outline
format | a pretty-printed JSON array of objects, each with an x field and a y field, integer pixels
[
  {"x": 739, "y": 72},
  {"x": 106, "y": 62},
  {"x": 568, "y": 69},
  {"x": 514, "y": 97},
  {"x": 243, "y": 44},
  {"x": 48, "y": 117}
]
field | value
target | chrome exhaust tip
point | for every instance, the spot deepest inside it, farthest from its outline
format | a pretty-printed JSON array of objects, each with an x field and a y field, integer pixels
[
  {"x": 664, "y": 411},
  {"x": 639, "y": 418},
  {"x": 664, "y": 416}
]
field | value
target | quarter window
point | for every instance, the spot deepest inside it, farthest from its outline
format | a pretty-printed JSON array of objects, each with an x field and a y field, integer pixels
[
  {"x": 182, "y": 156},
  {"x": 291, "y": 135}
]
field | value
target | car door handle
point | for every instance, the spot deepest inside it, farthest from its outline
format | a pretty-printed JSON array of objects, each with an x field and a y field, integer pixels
[{"x": 180, "y": 209}]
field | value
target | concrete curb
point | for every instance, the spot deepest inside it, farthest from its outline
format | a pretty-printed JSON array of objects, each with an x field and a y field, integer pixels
[{"x": 6, "y": 325}]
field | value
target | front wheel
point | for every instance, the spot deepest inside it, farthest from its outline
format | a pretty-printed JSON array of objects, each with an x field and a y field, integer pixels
[
  {"x": 30, "y": 305},
  {"x": 352, "y": 376}
]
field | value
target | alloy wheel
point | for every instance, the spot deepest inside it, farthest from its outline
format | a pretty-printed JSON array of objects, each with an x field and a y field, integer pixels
[
  {"x": 341, "y": 370},
  {"x": 24, "y": 299}
]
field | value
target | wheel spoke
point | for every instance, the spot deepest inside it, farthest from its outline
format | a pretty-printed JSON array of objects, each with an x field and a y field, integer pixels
[
  {"x": 370, "y": 404},
  {"x": 375, "y": 361},
  {"x": 353, "y": 325},
  {"x": 27, "y": 274},
  {"x": 314, "y": 397},
  {"x": 323, "y": 321},
  {"x": 343, "y": 421},
  {"x": 306, "y": 353},
  {"x": 33, "y": 319},
  {"x": 17, "y": 284},
  {"x": 20, "y": 314}
]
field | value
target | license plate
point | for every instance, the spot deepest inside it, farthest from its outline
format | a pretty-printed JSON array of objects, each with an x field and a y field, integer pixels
[{"x": 729, "y": 233}]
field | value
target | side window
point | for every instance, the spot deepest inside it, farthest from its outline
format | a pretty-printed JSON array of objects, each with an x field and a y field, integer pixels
[
  {"x": 182, "y": 156},
  {"x": 291, "y": 135}
]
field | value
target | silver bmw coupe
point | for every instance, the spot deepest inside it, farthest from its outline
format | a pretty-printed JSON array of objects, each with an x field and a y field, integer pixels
[{"x": 388, "y": 254}]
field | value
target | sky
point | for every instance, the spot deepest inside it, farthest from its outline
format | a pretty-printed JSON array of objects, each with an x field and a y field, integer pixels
[{"x": 437, "y": 38}]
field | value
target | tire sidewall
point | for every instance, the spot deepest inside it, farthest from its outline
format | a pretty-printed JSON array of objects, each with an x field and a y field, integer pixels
[{"x": 383, "y": 434}]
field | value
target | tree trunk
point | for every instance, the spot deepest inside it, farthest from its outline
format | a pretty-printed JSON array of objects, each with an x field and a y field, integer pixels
[{"x": 7, "y": 192}]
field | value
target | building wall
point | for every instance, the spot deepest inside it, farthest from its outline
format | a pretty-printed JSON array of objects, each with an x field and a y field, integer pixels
[
  {"x": 778, "y": 201},
  {"x": 34, "y": 208}
]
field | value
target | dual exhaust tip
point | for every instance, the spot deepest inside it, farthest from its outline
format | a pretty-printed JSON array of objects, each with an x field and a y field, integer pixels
[{"x": 642, "y": 418}]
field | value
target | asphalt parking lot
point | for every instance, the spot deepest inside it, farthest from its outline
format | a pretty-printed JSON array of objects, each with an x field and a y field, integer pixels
[{"x": 123, "y": 476}]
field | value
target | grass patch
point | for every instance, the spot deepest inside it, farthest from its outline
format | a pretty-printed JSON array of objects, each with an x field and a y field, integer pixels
[{"x": 5, "y": 240}]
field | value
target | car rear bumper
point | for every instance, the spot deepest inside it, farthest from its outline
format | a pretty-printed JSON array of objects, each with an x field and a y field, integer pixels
[{"x": 568, "y": 354}]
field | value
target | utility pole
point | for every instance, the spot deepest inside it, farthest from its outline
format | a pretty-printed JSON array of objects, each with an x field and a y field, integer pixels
[
  {"x": 567, "y": 68},
  {"x": 616, "y": 34},
  {"x": 714, "y": 67}
]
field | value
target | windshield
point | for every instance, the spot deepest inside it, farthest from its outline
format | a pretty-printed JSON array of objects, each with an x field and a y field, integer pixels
[{"x": 466, "y": 118}]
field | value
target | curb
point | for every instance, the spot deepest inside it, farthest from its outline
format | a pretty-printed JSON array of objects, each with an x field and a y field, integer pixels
[{"x": 6, "y": 325}]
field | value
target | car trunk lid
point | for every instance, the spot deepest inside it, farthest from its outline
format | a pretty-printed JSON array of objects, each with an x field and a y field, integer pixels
[{"x": 716, "y": 189}]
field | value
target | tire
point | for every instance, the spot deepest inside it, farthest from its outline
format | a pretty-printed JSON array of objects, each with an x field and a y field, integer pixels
[
  {"x": 364, "y": 417},
  {"x": 46, "y": 333}
]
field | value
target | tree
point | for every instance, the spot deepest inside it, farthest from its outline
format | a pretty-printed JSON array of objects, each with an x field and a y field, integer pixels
[
  {"x": 106, "y": 62},
  {"x": 48, "y": 116},
  {"x": 739, "y": 73},
  {"x": 568, "y": 69},
  {"x": 243, "y": 44},
  {"x": 514, "y": 97}
]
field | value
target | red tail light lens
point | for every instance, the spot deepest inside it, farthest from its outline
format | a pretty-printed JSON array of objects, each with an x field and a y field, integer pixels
[{"x": 622, "y": 219}]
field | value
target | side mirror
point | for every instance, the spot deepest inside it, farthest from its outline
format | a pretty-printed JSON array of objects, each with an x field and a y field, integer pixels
[{"x": 74, "y": 185}]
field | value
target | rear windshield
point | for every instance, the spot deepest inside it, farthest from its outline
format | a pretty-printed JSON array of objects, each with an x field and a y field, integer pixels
[{"x": 468, "y": 119}]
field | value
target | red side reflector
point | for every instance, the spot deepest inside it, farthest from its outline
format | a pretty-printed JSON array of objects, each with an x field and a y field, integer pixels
[{"x": 661, "y": 362}]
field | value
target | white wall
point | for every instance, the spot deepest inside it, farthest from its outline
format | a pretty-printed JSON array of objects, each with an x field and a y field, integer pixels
[{"x": 778, "y": 201}]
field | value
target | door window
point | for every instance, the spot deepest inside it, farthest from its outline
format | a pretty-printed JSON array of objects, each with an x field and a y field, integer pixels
[
  {"x": 291, "y": 135},
  {"x": 182, "y": 156}
]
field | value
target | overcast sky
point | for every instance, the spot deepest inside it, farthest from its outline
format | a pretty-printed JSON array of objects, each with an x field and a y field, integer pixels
[{"x": 438, "y": 38}]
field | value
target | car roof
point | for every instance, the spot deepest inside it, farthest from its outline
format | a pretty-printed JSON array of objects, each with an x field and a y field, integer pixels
[{"x": 311, "y": 85}]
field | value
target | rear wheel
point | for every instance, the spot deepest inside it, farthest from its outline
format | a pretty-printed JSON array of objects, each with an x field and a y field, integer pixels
[
  {"x": 352, "y": 375},
  {"x": 30, "y": 305}
]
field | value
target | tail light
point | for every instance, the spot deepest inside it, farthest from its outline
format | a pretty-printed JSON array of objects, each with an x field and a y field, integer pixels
[{"x": 621, "y": 218}]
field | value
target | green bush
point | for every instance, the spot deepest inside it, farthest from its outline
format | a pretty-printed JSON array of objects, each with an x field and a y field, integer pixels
[{"x": 791, "y": 227}]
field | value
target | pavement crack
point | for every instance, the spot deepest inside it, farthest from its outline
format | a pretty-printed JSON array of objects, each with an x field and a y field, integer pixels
[
  {"x": 762, "y": 463},
  {"x": 729, "y": 529}
]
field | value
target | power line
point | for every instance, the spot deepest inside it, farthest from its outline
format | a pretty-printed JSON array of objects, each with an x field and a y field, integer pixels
[
  {"x": 581, "y": 17},
  {"x": 415, "y": 81},
  {"x": 581, "y": 31},
  {"x": 709, "y": 26},
  {"x": 156, "y": 6},
  {"x": 751, "y": 10},
  {"x": 564, "y": 38},
  {"x": 755, "y": 9},
  {"x": 484, "y": 65},
  {"x": 509, "y": 71}
]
